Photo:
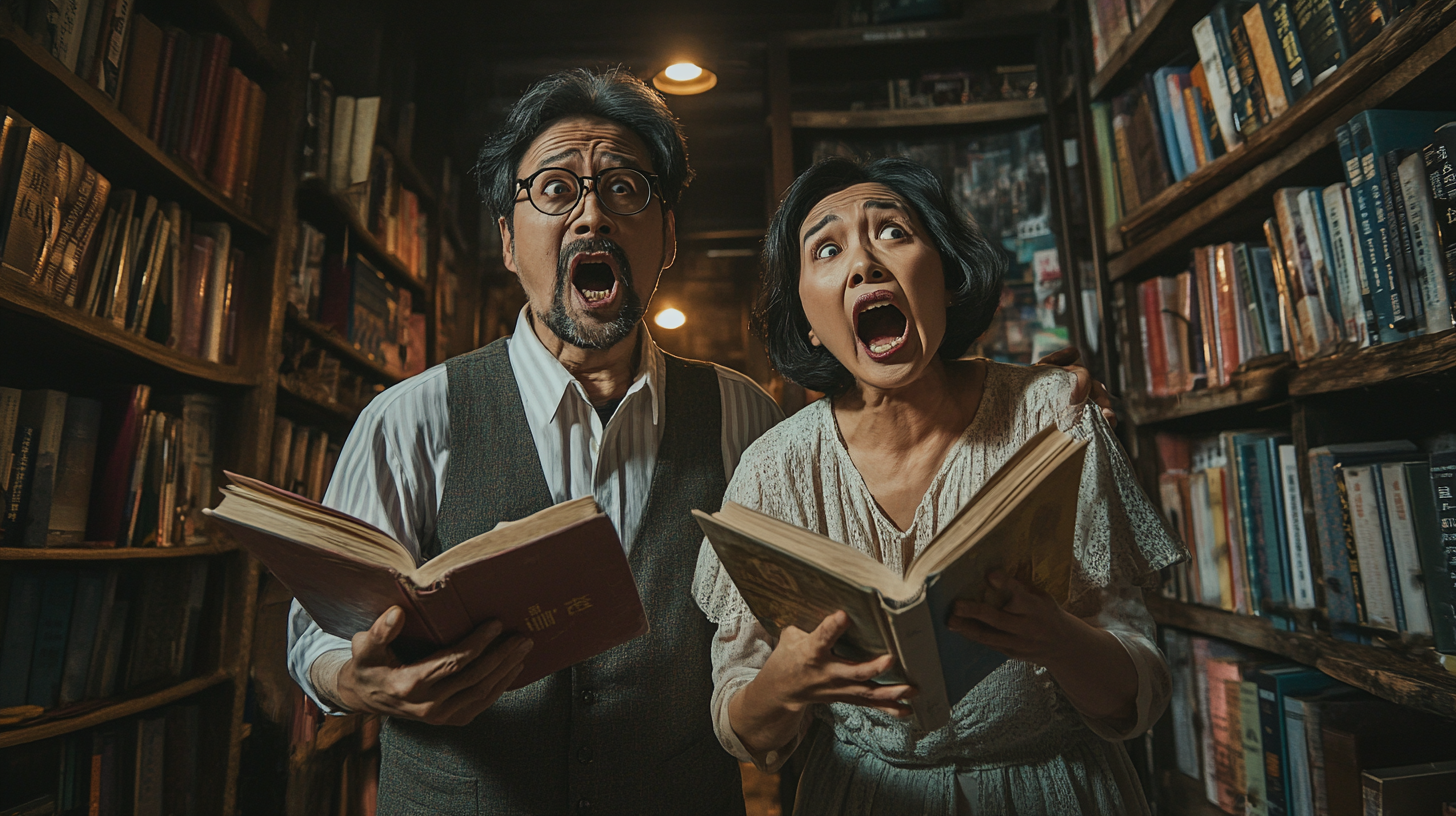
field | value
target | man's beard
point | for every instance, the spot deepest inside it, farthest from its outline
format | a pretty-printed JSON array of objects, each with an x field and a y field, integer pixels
[{"x": 600, "y": 336}]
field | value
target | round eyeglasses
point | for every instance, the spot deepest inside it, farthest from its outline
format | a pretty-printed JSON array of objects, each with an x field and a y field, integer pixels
[{"x": 556, "y": 190}]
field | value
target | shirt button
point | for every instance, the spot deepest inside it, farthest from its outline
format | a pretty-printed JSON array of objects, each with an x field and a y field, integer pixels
[
  {"x": 587, "y": 696},
  {"x": 583, "y": 805},
  {"x": 584, "y": 755}
]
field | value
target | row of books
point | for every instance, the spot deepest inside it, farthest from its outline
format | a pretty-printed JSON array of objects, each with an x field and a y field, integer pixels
[
  {"x": 77, "y": 634},
  {"x": 1255, "y": 60},
  {"x": 1366, "y": 261},
  {"x": 311, "y": 369},
  {"x": 148, "y": 765},
  {"x": 303, "y": 458},
  {"x": 351, "y": 786},
  {"x": 177, "y": 86},
  {"x": 143, "y": 264},
  {"x": 1280, "y": 739},
  {"x": 374, "y": 315},
  {"x": 111, "y": 472},
  {"x": 1382, "y": 514},
  {"x": 395, "y": 216}
]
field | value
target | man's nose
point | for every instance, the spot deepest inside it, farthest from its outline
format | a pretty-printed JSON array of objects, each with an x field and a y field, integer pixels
[{"x": 590, "y": 217}]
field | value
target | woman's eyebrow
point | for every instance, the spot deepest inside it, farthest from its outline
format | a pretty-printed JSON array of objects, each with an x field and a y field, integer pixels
[{"x": 823, "y": 222}]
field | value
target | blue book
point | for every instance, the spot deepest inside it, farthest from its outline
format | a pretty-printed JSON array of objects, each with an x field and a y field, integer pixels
[
  {"x": 1373, "y": 293},
  {"x": 1344, "y": 601},
  {"x": 80, "y": 645},
  {"x": 1166, "y": 122},
  {"x": 1274, "y": 510},
  {"x": 1177, "y": 81},
  {"x": 1275, "y": 682},
  {"x": 1201, "y": 113},
  {"x": 1266, "y": 563},
  {"x": 1263, "y": 263},
  {"x": 1330, "y": 282},
  {"x": 1388, "y": 541},
  {"x": 1375, "y": 133},
  {"x": 58, "y": 595},
  {"x": 21, "y": 617}
]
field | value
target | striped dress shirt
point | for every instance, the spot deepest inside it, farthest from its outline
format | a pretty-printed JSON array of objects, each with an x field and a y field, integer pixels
[{"x": 391, "y": 471}]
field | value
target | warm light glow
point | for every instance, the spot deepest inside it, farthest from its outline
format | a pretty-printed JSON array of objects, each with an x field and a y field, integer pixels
[
  {"x": 670, "y": 319},
  {"x": 683, "y": 72}
]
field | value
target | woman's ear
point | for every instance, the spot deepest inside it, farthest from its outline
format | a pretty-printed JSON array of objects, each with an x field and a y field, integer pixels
[{"x": 814, "y": 339}]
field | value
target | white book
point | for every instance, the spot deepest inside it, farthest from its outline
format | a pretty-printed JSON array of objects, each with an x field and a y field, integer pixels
[
  {"x": 1299, "y": 566},
  {"x": 1420, "y": 212},
  {"x": 1407, "y": 566},
  {"x": 1342, "y": 252},
  {"x": 1324, "y": 278},
  {"x": 215, "y": 306},
  {"x": 361, "y": 152},
  {"x": 1297, "y": 780},
  {"x": 343, "y": 131},
  {"x": 1370, "y": 546},
  {"x": 1223, "y": 103},
  {"x": 70, "y": 30}
]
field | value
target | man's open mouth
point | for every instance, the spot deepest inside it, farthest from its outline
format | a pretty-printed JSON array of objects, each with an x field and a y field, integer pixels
[
  {"x": 594, "y": 277},
  {"x": 879, "y": 324}
]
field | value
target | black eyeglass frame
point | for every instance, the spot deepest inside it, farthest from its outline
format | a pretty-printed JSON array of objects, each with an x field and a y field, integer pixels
[{"x": 524, "y": 184}]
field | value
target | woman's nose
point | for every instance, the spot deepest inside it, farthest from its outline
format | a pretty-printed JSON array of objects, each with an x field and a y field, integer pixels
[{"x": 870, "y": 275}]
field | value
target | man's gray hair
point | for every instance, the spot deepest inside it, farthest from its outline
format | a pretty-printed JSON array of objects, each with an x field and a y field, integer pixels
[{"x": 613, "y": 94}]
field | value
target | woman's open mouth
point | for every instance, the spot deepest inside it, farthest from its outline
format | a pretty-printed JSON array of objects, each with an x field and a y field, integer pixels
[
  {"x": 594, "y": 277},
  {"x": 879, "y": 324}
]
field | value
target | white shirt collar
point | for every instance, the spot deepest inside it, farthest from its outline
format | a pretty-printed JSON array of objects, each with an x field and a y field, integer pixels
[{"x": 544, "y": 382}]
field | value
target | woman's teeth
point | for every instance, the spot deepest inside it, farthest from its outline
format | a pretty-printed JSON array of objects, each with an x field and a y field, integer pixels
[{"x": 880, "y": 348}]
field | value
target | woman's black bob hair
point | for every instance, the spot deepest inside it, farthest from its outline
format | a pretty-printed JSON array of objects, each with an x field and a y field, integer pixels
[{"x": 973, "y": 268}]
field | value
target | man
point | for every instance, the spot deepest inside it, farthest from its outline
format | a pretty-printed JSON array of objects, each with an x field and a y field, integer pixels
[{"x": 584, "y": 177}]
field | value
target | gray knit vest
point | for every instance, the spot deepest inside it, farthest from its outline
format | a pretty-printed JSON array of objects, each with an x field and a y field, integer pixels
[{"x": 628, "y": 731}]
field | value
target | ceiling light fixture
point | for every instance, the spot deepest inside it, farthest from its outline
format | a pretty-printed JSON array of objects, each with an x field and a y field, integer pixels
[
  {"x": 684, "y": 79},
  {"x": 670, "y": 319}
]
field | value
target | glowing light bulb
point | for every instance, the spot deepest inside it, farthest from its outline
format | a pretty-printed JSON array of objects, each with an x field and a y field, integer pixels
[
  {"x": 670, "y": 319},
  {"x": 683, "y": 71}
]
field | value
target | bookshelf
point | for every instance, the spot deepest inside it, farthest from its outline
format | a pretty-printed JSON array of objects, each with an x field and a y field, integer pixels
[
  {"x": 65, "y": 348},
  {"x": 1391, "y": 391}
]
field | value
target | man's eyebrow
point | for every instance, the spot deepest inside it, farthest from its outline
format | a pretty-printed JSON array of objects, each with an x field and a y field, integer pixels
[
  {"x": 883, "y": 204},
  {"x": 550, "y": 160},
  {"x": 823, "y": 222}
]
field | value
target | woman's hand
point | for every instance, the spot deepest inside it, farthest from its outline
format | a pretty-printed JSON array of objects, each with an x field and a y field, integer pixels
[
  {"x": 1086, "y": 388},
  {"x": 801, "y": 671},
  {"x": 1089, "y": 663}
]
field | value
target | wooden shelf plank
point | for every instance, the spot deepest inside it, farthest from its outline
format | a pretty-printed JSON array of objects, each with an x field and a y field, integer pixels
[
  {"x": 340, "y": 346},
  {"x": 975, "y": 113},
  {"x": 250, "y": 37},
  {"x": 1174, "y": 218},
  {"x": 1414, "y": 680},
  {"x": 326, "y": 202},
  {"x": 114, "y": 553},
  {"x": 112, "y": 711},
  {"x": 1158, "y": 27},
  {"x": 979, "y": 20},
  {"x": 1419, "y": 356},
  {"x": 1249, "y": 386},
  {"x": 329, "y": 412},
  {"x": 66, "y": 107},
  {"x": 18, "y": 296}
]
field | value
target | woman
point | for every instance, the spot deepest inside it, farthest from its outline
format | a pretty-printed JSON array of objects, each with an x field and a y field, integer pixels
[{"x": 875, "y": 285}]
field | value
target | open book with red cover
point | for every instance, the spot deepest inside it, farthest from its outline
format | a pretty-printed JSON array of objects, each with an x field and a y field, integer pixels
[{"x": 559, "y": 576}]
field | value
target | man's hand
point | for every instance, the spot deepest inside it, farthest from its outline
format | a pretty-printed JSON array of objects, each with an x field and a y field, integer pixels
[
  {"x": 450, "y": 687},
  {"x": 1086, "y": 386}
]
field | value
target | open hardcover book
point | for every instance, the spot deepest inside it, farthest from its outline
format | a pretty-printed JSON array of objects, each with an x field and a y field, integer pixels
[
  {"x": 559, "y": 576},
  {"x": 1021, "y": 521}
]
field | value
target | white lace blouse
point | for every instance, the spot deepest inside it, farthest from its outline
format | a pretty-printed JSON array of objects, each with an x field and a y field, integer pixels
[{"x": 1015, "y": 743}]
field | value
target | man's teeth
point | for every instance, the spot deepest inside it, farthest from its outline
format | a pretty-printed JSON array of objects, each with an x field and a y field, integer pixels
[{"x": 594, "y": 295}]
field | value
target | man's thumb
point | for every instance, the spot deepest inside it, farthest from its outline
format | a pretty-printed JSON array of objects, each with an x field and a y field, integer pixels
[{"x": 385, "y": 629}]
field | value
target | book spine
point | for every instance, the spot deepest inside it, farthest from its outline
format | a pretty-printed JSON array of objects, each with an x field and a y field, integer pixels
[
  {"x": 1387, "y": 286},
  {"x": 1127, "y": 179},
  {"x": 1441, "y": 549},
  {"x": 912, "y": 632},
  {"x": 1312, "y": 215},
  {"x": 1299, "y": 562},
  {"x": 1342, "y": 601},
  {"x": 1357, "y": 175},
  {"x": 1362, "y": 21},
  {"x": 116, "y": 34},
  {"x": 32, "y": 209},
  {"x": 1266, "y": 59},
  {"x": 1164, "y": 120},
  {"x": 1251, "y": 739},
  {"x": 1406, "y": 567},
  {"x": 1430, "y": 261},
  {"x": 85, "y": 616},
  {"x": 1406, "y": 273},
  {"x": 1359, "y": 259},
  {"x": 58, "y": 595},
  {"x": 1342, "y": 248},
  {"x": 18, "y": 492},
  {"x": 1177, "y": 86},
  {"x": 1297, "y": 776},
  {"x": 1291, "y": 52},
  {"x": 1220, "y": 96},
  {"x": 1369, "y": 542},
  {"x": 1319, "y": 35},
  {"x": 46, "y": 411},
  {"x": 160, "y": 100},
  {"x": 22, "y": 618},
  {"x": 1381, "y": 514},
  {"x": 1255, "y": 108}
]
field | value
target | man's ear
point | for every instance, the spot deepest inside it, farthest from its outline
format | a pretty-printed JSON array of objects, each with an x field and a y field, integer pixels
[
  {"x": 669, "y": 240},
  {"x": 508, "y": 245}
]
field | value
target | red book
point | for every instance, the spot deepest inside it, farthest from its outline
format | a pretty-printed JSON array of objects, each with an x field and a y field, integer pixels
[
  {"x": 559, "y": 576},
  {"x": 166, "y": 70},
  {"x": 1156, "y": 351},
  {"x": 1203, "y": 283},
  {"x": 250, "y": 143},
  {"x": 227, "y": 151},
  {"x": 1228, "y": 327},
  {"x": 194, "y": 293},
  {"x": 121, "y": 427},
  {"x": 211, "y": 84}
]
